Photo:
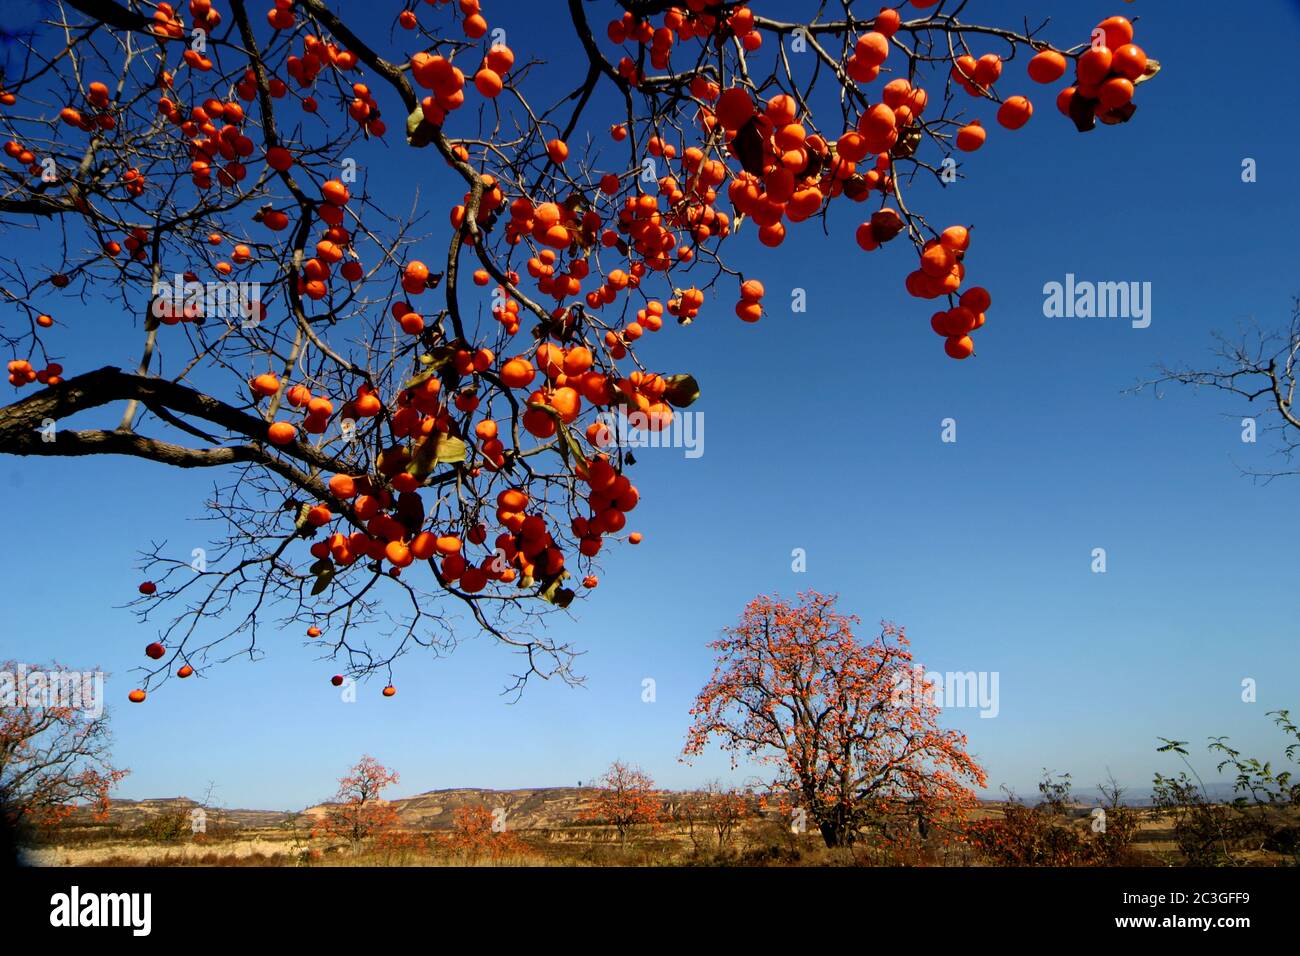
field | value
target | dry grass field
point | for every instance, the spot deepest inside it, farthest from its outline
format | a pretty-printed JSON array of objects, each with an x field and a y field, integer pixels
[{"x": 545, "y": 829}]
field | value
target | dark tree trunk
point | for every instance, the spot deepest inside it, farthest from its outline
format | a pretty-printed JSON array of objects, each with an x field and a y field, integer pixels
[
  {"x": 836, "y": 826},
  {"x": 832, "y": 833},
  {"x": 9, "y": 855}
]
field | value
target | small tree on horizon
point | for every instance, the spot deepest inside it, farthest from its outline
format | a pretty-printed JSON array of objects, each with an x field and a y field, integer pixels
[
  {"x": 625, "y": 798},
  {"x": 725, "y": 808},
  {"x": 474, "y": 836},
  {"x": 358, "y": 812}
]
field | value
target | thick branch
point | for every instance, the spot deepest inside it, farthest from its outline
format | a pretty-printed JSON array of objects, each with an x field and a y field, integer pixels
[
  {"x": 19, "y": 424},
  {"x": 113, "y": 14}
]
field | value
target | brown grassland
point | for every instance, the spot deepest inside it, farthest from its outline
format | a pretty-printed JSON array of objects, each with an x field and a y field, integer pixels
[{"x": 550, "y": 831}]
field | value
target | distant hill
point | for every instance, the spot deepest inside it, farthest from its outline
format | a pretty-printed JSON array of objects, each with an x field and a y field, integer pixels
[
  {"x": 1219, "y": 792},
  {"x": 536, "y": 808},
  {"x": 130, "y": 814},
  {"x": 527, "y": 809}
]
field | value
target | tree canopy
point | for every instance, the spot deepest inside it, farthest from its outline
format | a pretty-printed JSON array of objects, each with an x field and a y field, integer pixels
[{"x": 410, "y": 421}]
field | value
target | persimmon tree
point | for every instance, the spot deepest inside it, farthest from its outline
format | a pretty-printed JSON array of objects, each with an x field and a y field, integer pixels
[
  {"x": 54, "y": 754},
  {"x": 399, "y": 846},
  {"x": 358, "y": 812},
  {"x": 725, "y": 808},
  {"x": 404, "y": 414},
  {"x": 625, "y": 798},
  {"x": 474, "y": 835},
  {"x": 793, "y": 688}
]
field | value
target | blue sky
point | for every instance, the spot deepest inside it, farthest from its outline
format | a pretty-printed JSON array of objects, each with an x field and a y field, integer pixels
[{"x": 823, "y": 433}]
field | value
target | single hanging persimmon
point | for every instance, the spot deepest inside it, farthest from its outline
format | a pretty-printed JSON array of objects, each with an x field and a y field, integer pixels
[
  {"x": 1015, "y": 112},
  {"x": 488, "y": 83},
  {"x": 335, "y": 193},
  {"x": 959, "y": 347},
  {"x": 971, "y": 137},
  {"x": 1047, "y": 66}
]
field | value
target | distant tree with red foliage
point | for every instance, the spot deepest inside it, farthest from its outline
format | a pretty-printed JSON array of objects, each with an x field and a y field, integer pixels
[
  {"x": 358, "y": 812},
  {"x": 54, "y": 746},
  {"x": 474, "y": 834},
  {"x": 625, "y": 798},
  {"x": 398, "y": 846},
  {"x": 794, "y": 688},
  {"x": 724, "y": 808}
]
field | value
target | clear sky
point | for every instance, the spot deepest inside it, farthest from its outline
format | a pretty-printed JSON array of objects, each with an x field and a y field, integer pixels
[{"x": 823, "y": 433}]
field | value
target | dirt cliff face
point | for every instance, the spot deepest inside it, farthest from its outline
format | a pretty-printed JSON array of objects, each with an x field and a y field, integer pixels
[
  {"x": 534, "y": 808},
  {"x": 539, "y": 808},
  {"x": 129, "y": 814}
]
